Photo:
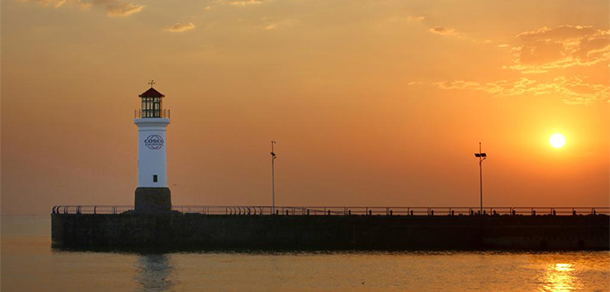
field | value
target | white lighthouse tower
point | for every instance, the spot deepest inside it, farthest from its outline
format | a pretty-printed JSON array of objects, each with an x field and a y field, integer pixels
[{"x": 152, "y": 194}]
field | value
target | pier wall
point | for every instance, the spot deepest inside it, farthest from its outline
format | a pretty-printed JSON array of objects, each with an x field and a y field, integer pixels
[{"x": 197, "y": 231}]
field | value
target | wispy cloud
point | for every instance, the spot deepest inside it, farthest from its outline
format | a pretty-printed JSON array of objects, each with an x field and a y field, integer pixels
[
  {"x": 573, "y": 90},
  {"x": 402, "y": 20},
  {"x": 113, "y": 8},
  {"x": 54, "y": 3},
  {"x": 540, "y": 51},
  {"x": 122, "y": 9},
  {"x": 561, "y": 47},
  {"x": 180, "y": 27},
  {"x": 275, "y": 24},
  {"x": 416, "y": 18},
  {"x": 443, "y": 31},
  {"x": 244, "y": 3}
]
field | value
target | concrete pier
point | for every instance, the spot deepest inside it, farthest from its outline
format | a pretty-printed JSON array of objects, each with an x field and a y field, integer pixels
[{"x": 301, "y": 232}]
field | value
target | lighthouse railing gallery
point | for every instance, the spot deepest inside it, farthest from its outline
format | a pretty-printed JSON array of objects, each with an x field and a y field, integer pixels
[
  {"x": 328, "y": 210},
  {"x": 151, "y": 113}
]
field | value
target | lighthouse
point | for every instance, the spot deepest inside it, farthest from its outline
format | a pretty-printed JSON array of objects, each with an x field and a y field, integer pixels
[{"x": 152, "y": 193}]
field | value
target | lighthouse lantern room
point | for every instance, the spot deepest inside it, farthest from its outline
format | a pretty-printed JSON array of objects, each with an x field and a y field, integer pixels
[{"x": 152, "y": 193}]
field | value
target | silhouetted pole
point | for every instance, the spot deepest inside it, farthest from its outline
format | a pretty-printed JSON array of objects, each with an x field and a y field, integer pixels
[
  {"x": 272, "y": 178},
  {"x": 482, "y": 156}
]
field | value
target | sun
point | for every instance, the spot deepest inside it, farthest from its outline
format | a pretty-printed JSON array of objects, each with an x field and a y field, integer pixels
[{"x": 557, "y": 140}]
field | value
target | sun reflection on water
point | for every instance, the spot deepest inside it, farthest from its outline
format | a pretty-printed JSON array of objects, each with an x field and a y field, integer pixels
[
  {"x": 559, "y": 278},
  {"x": 563, "y": 267}
]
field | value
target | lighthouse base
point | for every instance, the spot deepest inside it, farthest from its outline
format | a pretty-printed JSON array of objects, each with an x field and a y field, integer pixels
[{"x": 153, "y": 200}]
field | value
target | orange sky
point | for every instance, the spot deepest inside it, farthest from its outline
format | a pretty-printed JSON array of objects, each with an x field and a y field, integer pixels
[{"x": 371, "y": 102}]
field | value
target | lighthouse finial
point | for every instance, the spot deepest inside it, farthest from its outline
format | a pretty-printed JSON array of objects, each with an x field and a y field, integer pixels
[{"x": 151, "y": 83}]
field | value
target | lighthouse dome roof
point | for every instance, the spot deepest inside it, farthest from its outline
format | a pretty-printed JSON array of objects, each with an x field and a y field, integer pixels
[{"x": 151, "y": 92}]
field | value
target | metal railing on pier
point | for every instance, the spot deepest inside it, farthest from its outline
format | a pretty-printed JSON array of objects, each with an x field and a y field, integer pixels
[
  {"x": 345, "y": 211},
  {"x": 90, "y": 209}
]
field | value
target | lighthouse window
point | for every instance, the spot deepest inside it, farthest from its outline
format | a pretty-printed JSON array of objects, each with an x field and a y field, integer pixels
[
  {"x": 157, "y": 107},
  {"x": 154, "y": 178},
  {"x": 151, "y": 107}
]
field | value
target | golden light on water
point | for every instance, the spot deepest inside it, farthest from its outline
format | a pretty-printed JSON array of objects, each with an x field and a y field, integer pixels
[
  {"x": 559, "y": 278},
  {"x": 557, "y": 140},
  {"x": 563, "y": 267}
]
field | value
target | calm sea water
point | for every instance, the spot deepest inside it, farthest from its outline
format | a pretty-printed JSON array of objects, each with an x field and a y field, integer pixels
[{"x": 29, "y": 264}]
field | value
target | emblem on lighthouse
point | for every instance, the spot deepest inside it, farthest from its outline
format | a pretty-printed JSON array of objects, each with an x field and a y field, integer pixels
[{"x": 154, "y": 142}]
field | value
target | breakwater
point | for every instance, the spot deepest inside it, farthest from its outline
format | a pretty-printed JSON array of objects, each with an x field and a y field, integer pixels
[{"x": 177, "y": 230}]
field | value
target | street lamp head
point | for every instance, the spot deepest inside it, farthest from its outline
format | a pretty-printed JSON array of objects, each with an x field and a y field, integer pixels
[{"x": 272, "y": 150}]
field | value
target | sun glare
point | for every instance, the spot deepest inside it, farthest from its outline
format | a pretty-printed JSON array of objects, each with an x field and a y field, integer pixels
[{"x": 557, "y": 140}]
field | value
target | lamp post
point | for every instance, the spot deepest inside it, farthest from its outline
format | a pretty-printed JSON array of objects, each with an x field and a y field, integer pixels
[
  {"x": 482, "y": 156},
  {"x": 273, "y": 157}
]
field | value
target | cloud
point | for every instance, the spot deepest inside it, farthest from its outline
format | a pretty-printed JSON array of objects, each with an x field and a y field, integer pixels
[
  {"x": 246, "y": 2},
  {"x": 277, "y": 23},
  {"x": 443, "y": 30},
  {"x": 573, "y": 90},
  {"x": 416, "y": 18},
  {"x": 540, "y": 51},
  {"x": 180, "y": 27},
  {"x": 207, "y": 8},
  {"x": 122, "y": 9},
  {"x": 403, "y": 19},
  {"x": 114, "y": 8},
  {"x": 54, "y": 3},
  {"x": 561, "y": 47}
]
